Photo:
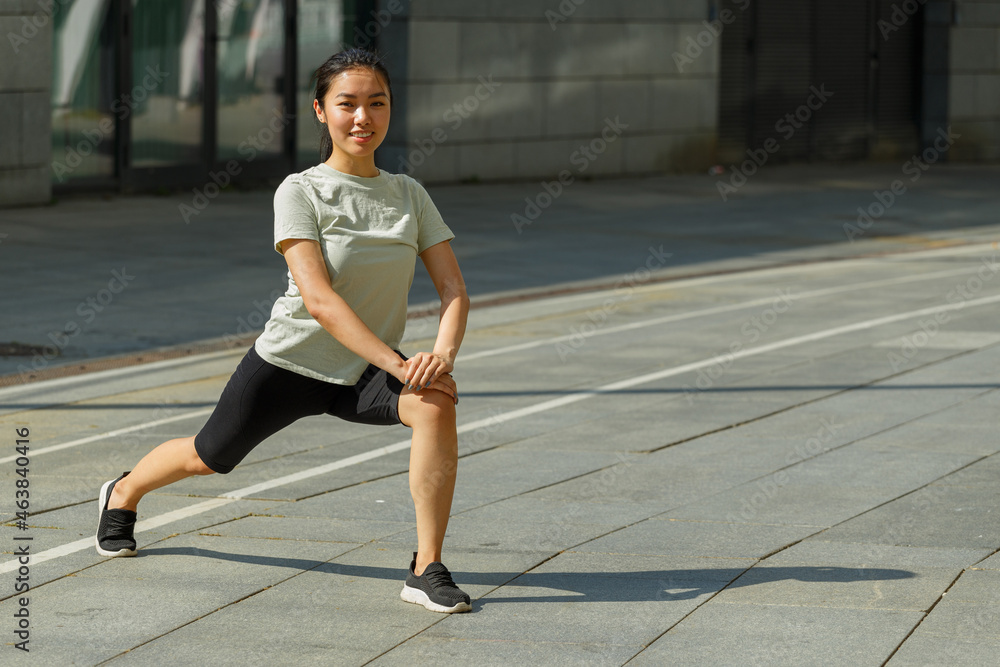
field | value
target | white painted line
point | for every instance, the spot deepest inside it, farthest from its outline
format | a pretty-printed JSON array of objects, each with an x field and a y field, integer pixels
[
  {"x": 715, "y": 310},
  {"x": 112, "y": 434},
  {"x": 9, "y": 393},
  {"x": 490, "y": 422}
]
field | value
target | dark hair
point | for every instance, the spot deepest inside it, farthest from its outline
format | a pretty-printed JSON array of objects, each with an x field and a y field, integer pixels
[{"x": 338, "y": 63}]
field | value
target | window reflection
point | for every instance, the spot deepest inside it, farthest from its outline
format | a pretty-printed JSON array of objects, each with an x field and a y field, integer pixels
[
  {"x": 321, "y": 27},
  {"x": 83, "y": 60},
  {"x": 167, "y": 82},
  {"x": 250, "y": 75}
]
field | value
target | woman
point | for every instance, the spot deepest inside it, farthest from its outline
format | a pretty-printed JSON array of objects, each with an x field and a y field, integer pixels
[{"x": 350, "y": 234}]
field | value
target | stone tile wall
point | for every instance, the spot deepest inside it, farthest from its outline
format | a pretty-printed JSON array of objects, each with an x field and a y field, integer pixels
[
  {"x": 974, "y": 85},
  {"x": 513, "y": 89},
  {"x": 25, "y": 108}
]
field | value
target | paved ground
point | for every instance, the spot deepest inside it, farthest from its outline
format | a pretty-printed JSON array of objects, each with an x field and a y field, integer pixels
[{"x": 788, "y": 462}]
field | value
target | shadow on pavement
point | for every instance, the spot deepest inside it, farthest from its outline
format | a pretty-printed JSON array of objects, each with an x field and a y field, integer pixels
[{"x": 638, "y": 586}]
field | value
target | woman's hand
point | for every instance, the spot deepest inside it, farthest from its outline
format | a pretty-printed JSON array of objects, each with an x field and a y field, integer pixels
[{"x": 426, "y": 370}]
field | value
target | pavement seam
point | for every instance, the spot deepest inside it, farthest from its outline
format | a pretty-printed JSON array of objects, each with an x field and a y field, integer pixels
[
  {"x": 183, "y": 351},
  {"x": 762, "y": 559},
  {"x": 688, "y": 615},
  {"x": 846, "y": 444},
  {"x": 927, "y": 613},
  {"x": 225, "y": 606},
  {"x": 108, "y": 561},
  {"x": 492, "y": 590}
]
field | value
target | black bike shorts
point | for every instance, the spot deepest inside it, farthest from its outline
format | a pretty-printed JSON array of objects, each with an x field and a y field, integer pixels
[{"x": 261, "y": 399}]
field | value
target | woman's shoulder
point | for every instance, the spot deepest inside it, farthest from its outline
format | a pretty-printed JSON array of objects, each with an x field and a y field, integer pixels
[
  {"x": 310, "y": 184},
  {"x": 311, "y": 177},
  {"x": 407, "y": 186}
]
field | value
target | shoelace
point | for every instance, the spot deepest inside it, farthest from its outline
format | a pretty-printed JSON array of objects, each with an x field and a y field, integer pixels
[
  {"x": 440, "y": 578},
  {"x": 118, "y": 524}
]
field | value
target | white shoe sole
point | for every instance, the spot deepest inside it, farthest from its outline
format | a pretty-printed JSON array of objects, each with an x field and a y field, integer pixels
[
  {"x": 417, "y": 596},
  {"x": 102, "y": 500}
]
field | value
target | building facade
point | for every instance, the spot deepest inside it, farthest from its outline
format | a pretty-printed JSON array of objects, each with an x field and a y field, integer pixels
[{"x": 137, "y": 95}]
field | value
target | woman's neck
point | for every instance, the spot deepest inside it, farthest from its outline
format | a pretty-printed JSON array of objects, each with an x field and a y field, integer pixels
[{"x": 364, "y": 167}]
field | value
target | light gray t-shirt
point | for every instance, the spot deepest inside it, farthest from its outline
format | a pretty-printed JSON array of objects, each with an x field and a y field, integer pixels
[{"x": 370, "y": 231}]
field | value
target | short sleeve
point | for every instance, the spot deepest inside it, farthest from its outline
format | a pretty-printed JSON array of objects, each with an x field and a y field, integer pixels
[
  {"x": 294, "y": 213},
  {"x": 431, "y": 228}
]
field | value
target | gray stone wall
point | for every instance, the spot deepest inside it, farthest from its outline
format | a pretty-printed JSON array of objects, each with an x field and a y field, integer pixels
[
  {"x": 974, "y": 86},
  {"x": 25, "y": 108},
  {"x": 532, "y": 88}
]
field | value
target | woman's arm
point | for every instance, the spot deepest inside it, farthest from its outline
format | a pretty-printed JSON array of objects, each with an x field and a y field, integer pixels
[
  {"x": 424, "y": 368},
  {"x": 305, "y": 261}
]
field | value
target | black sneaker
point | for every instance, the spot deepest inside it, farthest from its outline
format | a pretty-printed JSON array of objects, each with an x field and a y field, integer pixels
[
  {"x": 434, "y": 589},
  {"x": 115, "y": 527}
]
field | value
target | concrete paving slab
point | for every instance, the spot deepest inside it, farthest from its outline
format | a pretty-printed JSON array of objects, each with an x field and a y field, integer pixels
[
  {"x": 468, "y": 532},
  {"x": 698, "y": 538},
  {"x": 673, "y": 571},
  {"x": 726, "y": 634},
  {"x": 923, "y": 435},
  {"x": 445, "y": 651},
  {"x": 386, "y": 499},
  {"x": 529, "y": 509},
  {"x": 869, "y": 464},
  {"x": 936, "y": 516},
  {"x": 962, "y": 620},
  {"x": 868, "y": 555},
  {"x": 575, "y": 472},
  {"x": 158, "y": 592},
  {"x": 840, "y": 587},
  {"x": 991, "y": 563},
  {"x": 976, "y": 586},
  {"x": 768, "y": 501},
  {"x": 79, "y": 522},
  {"x": 551, "y": 608},
  {"x": 312, "y": 529},
  {"x": 983, "y": 472},
  {"x": 921, "y": 649}
]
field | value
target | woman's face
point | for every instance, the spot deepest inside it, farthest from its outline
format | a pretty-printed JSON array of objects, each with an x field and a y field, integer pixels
[{"x": 356, "y": 113}]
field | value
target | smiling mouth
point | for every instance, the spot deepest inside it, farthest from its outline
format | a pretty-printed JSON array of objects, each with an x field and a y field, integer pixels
[{"x": 362, "y": 135}]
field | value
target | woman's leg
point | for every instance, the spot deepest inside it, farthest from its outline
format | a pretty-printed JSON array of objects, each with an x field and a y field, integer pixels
[
  {"x": 433, "y": 467},
  {"x": 170, "y": 462}
]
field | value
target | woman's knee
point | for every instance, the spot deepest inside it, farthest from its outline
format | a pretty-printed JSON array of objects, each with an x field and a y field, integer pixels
[
  {"x": 428, "y": 405},
  {"x": 194, "y": 464}
]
